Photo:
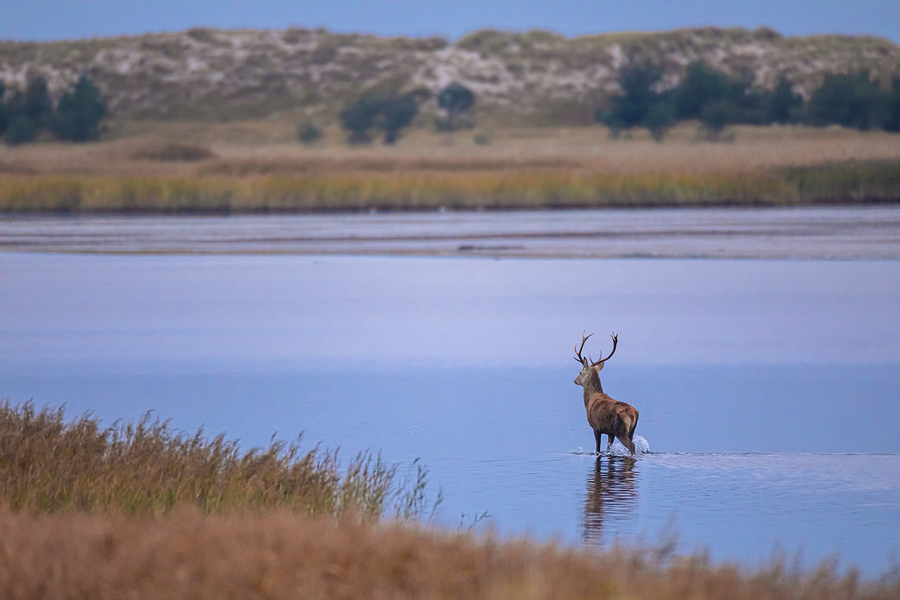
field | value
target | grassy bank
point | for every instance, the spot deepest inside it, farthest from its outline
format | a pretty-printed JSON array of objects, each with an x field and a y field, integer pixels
[
  {"x": 280, "y": 555},
  {"x": 140, "y": 511},
  {"x": 49, "y": 464},
  {"x": 219, "y": 169}
]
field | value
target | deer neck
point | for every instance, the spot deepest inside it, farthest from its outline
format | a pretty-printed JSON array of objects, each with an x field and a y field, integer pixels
[{"x": 592, "y": 386}]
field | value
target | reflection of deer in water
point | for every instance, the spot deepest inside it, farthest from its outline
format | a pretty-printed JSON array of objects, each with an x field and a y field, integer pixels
[
  {"x": 605, "y": 415},
  {"x": 609, "y": 494}
]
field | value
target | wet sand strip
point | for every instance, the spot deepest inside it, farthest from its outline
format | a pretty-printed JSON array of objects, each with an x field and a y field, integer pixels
[{"x": 856, "y": 233}]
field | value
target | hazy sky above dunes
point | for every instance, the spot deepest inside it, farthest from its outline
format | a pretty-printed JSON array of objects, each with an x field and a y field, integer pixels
[{"x": 68, "y": 19}]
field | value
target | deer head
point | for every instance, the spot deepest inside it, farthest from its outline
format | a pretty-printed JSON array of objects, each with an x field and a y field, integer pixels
[{"x": 588, "y": 366}]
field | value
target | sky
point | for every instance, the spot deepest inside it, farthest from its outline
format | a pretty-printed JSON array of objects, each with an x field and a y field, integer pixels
[{"x": 73, "y": 19}]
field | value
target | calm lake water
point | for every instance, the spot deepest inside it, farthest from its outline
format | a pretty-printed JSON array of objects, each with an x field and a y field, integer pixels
[{"x": 769, "y": 391}]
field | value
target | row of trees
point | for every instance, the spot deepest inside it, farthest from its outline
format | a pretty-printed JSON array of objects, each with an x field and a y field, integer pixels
[
  {"x": 717, "y": 100},
  {"x": 25, "y": 113},
  {"x": 704, "y": 94},
  {"x": 390, "y": 112}
]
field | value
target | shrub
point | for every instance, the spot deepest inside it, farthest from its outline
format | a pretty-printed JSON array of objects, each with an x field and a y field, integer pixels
[
  {"x": 173, "y": 152},
  {"x": 701, "y": 85},
  {"x": 34, "y": 103},
  {"x": 892, "y": 122},
  {"x": 21, "y": 130},
  {"x": 4, "y": 113},
  {"x": 397, "y": 113},
  {"x": 79, "y": 112},
  {"x": 28, "y": 111},
  {"x": 360, "y": 116},
  {"x": 849, "y": 100},
  {"x": 715, "y": 116},
  {"x": 783, "y": 104},
  {"x": 455, "y": 100},
  {"x": 630, "y": 107},
  {"x": 658, "y": 119},
  {"x": 308, "y": 133},
  {"x": 387, "y": 111}
]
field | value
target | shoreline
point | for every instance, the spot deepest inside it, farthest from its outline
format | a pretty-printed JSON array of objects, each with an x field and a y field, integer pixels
[{"x": 784, "y": 233}]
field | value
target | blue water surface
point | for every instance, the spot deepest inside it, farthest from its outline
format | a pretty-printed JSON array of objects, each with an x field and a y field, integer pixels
[{"x": 769, "y": 391}]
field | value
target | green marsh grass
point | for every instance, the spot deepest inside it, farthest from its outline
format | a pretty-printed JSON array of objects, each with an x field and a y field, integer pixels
[
  {"x": 847, "y": 181},
  {"x": 403, "y": 191}
]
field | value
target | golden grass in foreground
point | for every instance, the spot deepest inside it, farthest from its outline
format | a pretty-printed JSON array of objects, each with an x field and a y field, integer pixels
[
  {"x": 283, "y": 555},
  {"x": 49, "y": 465},
  {"x": 137, "y": 511}
]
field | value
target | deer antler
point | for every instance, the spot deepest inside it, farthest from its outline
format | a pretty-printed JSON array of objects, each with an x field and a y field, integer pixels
[
  {"x": 615, "y": 340},
  {"x": 578, "y": 350}
]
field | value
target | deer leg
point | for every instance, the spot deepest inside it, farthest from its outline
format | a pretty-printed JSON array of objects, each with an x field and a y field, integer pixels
[
  {"x": 597, "y": 435},
  {"x": 626, "y": 442}
]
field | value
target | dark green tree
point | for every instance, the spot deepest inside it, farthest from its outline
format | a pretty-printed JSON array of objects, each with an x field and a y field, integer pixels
[
  {"x": 29, "y": 111},
  {"x": 717, "y": 100},
  {"x": 4, "y": 113},
  {"x": 387, "y": 111},
  {"x": 456, "y": 100},
  {"x": 783, "y": 104},
  {"x": 20, "y": 130},
  {"x": 659, "y": 119},
  {"x": 628, "y": 109},
  {"x": 79, "y": 112},
  {"x": 360, "y": 116},
  {"x": 892, "y": 120},
  {"x": 396, "y": 113},
  {"x": 849, "y": 100},
  {"x": 714, "y": 116},
  {"x": 701, "y": 85}
]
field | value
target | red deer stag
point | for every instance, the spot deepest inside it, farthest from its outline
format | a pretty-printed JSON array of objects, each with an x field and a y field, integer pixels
[{"x": 605, "y": 415}]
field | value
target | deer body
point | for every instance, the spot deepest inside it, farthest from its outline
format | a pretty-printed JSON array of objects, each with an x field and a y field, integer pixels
[{"x": 605, "y": 415}]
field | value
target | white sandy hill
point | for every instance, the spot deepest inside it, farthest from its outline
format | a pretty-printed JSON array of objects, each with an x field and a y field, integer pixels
[{"x": 236, "y": 73}]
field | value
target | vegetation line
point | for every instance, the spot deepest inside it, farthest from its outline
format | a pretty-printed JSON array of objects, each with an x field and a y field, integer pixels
[
  {"x": 48, "y": 464},
  {"x": 138, "y": 510},
  {"x": 835, "y": 183}
]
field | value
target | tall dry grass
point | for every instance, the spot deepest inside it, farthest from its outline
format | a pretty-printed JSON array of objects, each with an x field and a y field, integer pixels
[
  {"x": 534, "y": 168},
  {"x": 105, "y": 194},
  {"x": 850, "y": 181},
  {"x": 49, "y": 464},
  {"x": 140, "y": 511},
  {"x": 278, "y": 555},
  {"x": 845, "y": 183}
]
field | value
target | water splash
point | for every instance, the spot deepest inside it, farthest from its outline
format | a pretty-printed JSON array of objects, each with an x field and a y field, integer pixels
[{"x": 641, "y": 446}]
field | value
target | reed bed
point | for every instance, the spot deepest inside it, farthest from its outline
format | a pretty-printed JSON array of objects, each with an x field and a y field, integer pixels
[
  {"x": 404, "y": 191},
  {"x": 850, "y": 181},
  {"x": 196, "y": 171},
  {"x": 278, "y": 554},
  {"x": 48, "y": 464}
]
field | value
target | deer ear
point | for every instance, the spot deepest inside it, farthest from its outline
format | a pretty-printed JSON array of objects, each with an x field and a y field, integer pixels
[{"x": 600, "y": 367}]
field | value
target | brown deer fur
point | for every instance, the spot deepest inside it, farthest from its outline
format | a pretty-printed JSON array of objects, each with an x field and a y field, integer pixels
[{"x": 604, "y": 414}]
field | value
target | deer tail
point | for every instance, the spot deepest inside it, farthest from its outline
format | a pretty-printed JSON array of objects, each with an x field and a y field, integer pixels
[{"x": 630, "y": 419}]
